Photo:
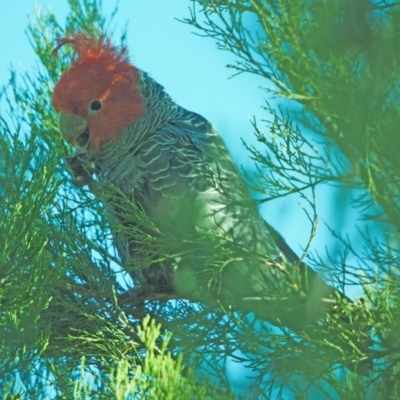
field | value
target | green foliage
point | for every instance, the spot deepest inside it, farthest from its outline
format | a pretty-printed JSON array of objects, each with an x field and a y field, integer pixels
[
  {"x": 334, "y": 62},
  {"x": 336, "y": 59},
  {"x": 68, "y": 326},
  {"x": 160, "y": 376}
]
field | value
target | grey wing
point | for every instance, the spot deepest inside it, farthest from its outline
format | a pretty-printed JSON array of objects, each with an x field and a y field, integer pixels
[
  {"x": 187, "y": 159},
  {"x": 190, "y": 177}
]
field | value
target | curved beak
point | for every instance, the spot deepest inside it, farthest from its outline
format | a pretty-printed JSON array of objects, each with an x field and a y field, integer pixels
[{"x": 73, "y": 129}]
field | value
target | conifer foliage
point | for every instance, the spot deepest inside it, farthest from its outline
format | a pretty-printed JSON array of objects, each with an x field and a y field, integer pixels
[{"x": 71, "y": 325}]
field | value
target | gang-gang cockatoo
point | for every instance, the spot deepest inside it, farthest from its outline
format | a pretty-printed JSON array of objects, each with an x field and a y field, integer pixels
[{"x": 172, "y": 163}]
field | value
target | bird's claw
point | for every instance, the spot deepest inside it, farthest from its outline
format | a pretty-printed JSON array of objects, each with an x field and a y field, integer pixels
[{"x": 81, "y": 167}]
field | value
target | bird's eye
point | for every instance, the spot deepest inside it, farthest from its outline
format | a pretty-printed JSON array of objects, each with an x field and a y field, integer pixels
[{"x": 95, "y": 105}]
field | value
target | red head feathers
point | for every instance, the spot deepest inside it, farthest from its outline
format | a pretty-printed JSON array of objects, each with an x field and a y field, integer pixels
[{"x": 100, "y": 86}]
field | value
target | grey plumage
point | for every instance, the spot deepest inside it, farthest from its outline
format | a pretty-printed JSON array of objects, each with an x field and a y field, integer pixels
[
  {"x": 172, "y": 164},
  {"x": 173, "y": 156}
]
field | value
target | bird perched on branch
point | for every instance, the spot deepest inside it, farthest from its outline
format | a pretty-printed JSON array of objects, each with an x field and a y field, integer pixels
[{"x": 171, "y": 164}]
